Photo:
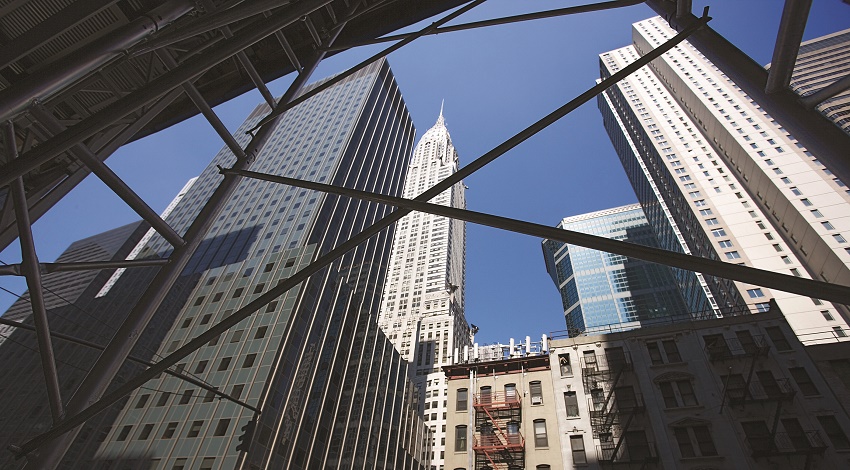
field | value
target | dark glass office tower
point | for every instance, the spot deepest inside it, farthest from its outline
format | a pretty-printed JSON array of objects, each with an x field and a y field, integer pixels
[
  {"x": 604, "y": 292},
  {"x": 332, "y": 391},
  {"x": 72, "y": 310}
]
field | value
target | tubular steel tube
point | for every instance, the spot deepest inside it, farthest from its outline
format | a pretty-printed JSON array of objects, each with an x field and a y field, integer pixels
[
  {"x": 43, "y": 204},
  {"x": 110, "y": 179},
  {"x": 797, "y": 285},
  {"x": 33, "y": 275},
  {"x": 205, "y": 109},
  {"x": 187, "y": 71},
  {"x": 825, "y": 93},
  {"x": 96, "y": 406},
  {"x": 137, "y": 360},
  {"x": 48, "y": 268},
  {"x": 788, "y": 39},
  {"x": 16, "y": 98},
  {"x": 500, "y": 21}
]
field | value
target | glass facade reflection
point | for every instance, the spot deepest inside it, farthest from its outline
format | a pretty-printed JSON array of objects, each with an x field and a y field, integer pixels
[{"x": 605, "y": 291}]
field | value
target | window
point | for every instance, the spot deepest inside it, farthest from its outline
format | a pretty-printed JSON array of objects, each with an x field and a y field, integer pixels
[
  {"x": 460, "y": 438},
  {"x": 462, "y": 399},
  {"x": 817, "y": 214},
  {"x": 186, "y": 397},
  {"x": 146, "y": 432},
  {"x": 163, "y": 399},
  {"x": 839, "y": 238},
  {"x": 565, "y": 364},
  {"x": 796, "y": 191},
  {"x": 221, "y": 428},
  {"x": 718, "y": 232},
  {"x": 755, "y": 293},
  {"x": 827, "y": 315},
  {"x": 732, "y": 255},
  {"x": 804, "y": 382},
  {"x": 725, "y": 243},
  {"x": 541, "y": 439},
  {"x": 778, "y": 338},
  {"x": 207, "y": 463},
  {"x": 195, "y": 429},
  {"x": 834, "y": 432},
  {"x": 712, "y": 221},
  {"x": 671, "y": 351},
  {"x": 179, "y": 464},
  {"x": 170, "y": 428},
  {"x": 225, "y": 363},
  {"x": 577, "y": 447},
  {"x": 758, "y": 436},
  {"x": 839, "y": 332},
  {"x": 695, "y": 441},
  {"x": 678, "y": 393},
  {"x": 571, "y": 402},
  {"x": 143, "y": 400},
  {"x": 536, "y": 390},
  {"x": 249, "y": 360},
  {"x": 201, "y": 367},
  {"x": 125, "y": 431}
]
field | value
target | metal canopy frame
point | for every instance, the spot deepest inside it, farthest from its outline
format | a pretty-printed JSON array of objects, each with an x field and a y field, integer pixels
[{"x": 73, "y": 142}]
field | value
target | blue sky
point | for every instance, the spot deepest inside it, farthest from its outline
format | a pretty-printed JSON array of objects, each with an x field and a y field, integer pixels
[{"x": 495, "y": 82}]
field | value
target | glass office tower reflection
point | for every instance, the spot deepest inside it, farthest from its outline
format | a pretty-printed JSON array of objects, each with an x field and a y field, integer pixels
[
  {"x": 333, "y": 391},
  {"x": 608, "y": 292}
]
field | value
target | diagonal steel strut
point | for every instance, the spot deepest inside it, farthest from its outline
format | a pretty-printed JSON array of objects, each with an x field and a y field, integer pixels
[
  {"x": 796, "y": 285},
  {"x": 196, "y": 343}
]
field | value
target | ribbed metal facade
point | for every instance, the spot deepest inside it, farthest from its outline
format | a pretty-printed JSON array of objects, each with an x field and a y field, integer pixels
[{"x": 332, "y": 390}]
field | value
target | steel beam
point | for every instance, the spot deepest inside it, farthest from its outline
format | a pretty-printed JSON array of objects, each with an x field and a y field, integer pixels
[
  {"x": 33, "y": 275},
  {"x": 683, "y": 8},
  {"x": 39, "y": 207},
  {"x": 817, "y": 133},
  {"x": 498, "y": 21},
  {"x": 15, "y": 99},
  {"x": 108, "y": 364},
  {"x": 787, "y": 283},
  {"x": 825, "y": 93},
  {"x": 215, "y": 21},
  {"x": 788, "y": 39},
  {"x": 205, "y": 109},
  {"x": 351, "y": 71},
  {"x": 62, "y": 430},
  {"x": 109, "y": 178},
  {"x": 186, "y": 71},
  {"x": 181, "y": 376},
  {"x": 48, "y": 268}
]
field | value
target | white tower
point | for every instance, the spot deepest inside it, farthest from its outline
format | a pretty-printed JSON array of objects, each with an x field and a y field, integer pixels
[{"x": 422, "y": 307}]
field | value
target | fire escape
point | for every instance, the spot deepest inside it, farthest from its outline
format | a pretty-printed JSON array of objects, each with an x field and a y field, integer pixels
[
  {"x": 497, "y": 442},
  {"x": 615, "y": 408},
  {"x": 761, "y": 389}
]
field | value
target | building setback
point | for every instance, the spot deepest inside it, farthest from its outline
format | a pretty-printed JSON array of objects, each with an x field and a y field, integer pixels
[
  {"x": 422, "y": 307},
  {"x": 736, "y": 392},
  {"x": 821, "y": 62},
  {"x": 332, "y": 391},
  {"x": 606, "y": 292},
  {"x": 719, "y": 178}
]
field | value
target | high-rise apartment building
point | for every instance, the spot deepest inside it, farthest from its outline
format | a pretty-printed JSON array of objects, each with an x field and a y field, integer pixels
[
  {"x": 422, "y": 307},
  {"x": 332, "y": 390},
  {"x": 604, "y": 292},
  {"x": 821, "y": 62},
  {"x": 719, "y": 178}
]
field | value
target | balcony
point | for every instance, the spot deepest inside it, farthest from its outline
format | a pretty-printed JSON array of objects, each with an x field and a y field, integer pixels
[
  {"x": 780, "y": 390},
  {"x": 805, "y": 443},
  {"x": 723, "y": 349},
  {"x": 497, "y": 400},
  {"x": 497, "y": 441},
  {"x": 611, "y": 454}
]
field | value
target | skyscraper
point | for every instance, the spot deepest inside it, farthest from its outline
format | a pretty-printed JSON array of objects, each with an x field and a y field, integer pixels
[
  {"x": 719, "y": 178},
  {"x": 821, "y": 62},
  {"x": 604, "y": 292},
  {"x": 422, "y": 307},
  {"x": 331, "y": 389}
]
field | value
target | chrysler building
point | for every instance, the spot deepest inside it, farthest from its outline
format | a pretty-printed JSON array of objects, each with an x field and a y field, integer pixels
[{"x": 422, "y": 309}]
